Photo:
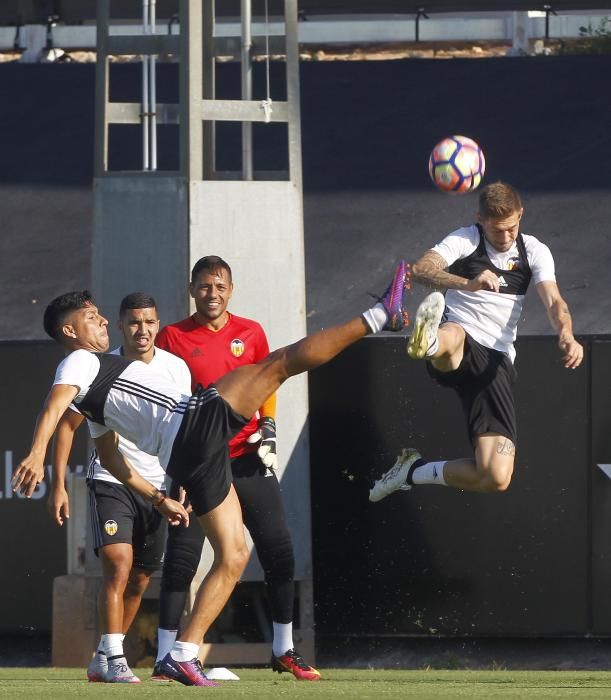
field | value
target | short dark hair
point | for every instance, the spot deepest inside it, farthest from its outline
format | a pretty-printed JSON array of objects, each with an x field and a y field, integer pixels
[
  {"x": 209, "y": 263},
  {"x": 137, "y": 300},
  {"x": 499, "y": 200},
  {"x": 60, "y": 307}
]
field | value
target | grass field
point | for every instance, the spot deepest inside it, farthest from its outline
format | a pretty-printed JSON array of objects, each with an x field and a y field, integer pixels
[{"x": 261, "y": 684}]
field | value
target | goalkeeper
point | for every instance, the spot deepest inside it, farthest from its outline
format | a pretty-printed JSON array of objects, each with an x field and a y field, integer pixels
[{"x": 212, "y": 342}]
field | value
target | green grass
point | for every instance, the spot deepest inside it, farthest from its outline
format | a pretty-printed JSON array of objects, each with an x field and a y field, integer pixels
[{"x": 261, "y": 684}]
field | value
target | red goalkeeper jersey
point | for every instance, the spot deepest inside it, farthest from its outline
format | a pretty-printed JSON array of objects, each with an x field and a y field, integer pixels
[{"x": 211, "y": 354}]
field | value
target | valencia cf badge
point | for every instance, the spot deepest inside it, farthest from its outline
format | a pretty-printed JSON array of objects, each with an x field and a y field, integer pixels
[
  {"x": 237, "y": 347},
  {"x": 111, "y": 527},
  {"x": 513, "y": 263}
]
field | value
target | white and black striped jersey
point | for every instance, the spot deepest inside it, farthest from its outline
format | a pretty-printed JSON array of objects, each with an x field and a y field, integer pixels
[
  {"x": 492, "y": 318},
  {"x": 137, "y": 401},
  {"x": 147, "y": 465}
]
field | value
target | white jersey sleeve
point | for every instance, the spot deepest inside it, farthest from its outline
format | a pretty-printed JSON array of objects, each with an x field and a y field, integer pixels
[
  {"x": 458, "y": 244},
  {"x": 540, "y": 260},
  {"x": 78, "y": 369}
]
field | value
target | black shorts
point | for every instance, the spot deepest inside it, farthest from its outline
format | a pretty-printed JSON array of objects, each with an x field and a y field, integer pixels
[
  {"x": 117, "y": 514},
  {"x": 200, "y": 457},
  {"x": 484, "y": 382}
]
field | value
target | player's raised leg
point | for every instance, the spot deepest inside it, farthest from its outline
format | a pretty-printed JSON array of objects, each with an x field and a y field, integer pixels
[
  {"x": 247, "y": 387},
  {"x": 490, "y": 470}
]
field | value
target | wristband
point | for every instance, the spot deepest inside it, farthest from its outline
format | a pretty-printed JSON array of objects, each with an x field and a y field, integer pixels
[{"x": 161, "y": 499}]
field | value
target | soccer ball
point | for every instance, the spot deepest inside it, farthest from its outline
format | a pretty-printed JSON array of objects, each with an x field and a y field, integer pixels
[{"x": 457, "y": 164}]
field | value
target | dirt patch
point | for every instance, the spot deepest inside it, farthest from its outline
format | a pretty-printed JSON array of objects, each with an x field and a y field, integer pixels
[{"x": 360, "y": 52}]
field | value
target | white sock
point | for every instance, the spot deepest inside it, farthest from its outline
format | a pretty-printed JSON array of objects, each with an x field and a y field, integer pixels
[
  {"x": 184, "y": 651},
  {"x": 376, "y": 317},
  {"x": 165, "y": 641},
  {"x": 429, "y": 473},
  {"x": 283, "y": 638},
  {"x": 112, "y": 644},
  {"x": 100, "y": 647},
  {"x": 433, "y": 348}
]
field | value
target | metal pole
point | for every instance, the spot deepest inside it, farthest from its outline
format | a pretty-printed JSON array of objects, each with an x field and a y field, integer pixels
[
  {"x": 101, "y": 89},
  {"x": 420, "y": 13},
  {"x": 209, "y": 89},
  {"x": 153, "y": 89},
  {"x": 292, "y": 91},
  {"x": 246, "y": 71},
  {"x": 549, "y": 10},
  {"x": 145, "y": 91},
  {"x": 190, "y": 128}
]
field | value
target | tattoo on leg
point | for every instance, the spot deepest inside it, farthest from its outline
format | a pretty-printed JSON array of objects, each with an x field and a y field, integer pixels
[{"x": 506, "y": 447}]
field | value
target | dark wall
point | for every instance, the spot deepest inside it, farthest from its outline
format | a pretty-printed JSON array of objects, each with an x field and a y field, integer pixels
[
  {"x": 33, "y": 548},
  {"x": 533, "y": 561},
  {"x": 600, "y": 486}
]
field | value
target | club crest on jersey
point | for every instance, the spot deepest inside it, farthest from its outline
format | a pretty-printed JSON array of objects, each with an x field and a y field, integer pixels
[
  {"x": 237, "y": 347},
  {"x": 513, "y": 263},
  {"x": 111, "y": 527}
]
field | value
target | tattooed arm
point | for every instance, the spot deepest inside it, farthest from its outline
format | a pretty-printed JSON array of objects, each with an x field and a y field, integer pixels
[
  {"x": 505, "y": 446},
  {"x": 560, "y": 318},
  {"x": 431, "y": 271}
]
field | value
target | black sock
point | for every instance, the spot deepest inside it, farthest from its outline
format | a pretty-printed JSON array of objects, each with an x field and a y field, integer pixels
[{"x": 412, "y": 469}]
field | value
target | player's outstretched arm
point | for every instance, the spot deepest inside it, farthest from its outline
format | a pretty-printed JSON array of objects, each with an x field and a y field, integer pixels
[
  {"x": 58, "y": 503},
  {"x": 31, "y": 471},
  {"x": 112, "y": 459},
  {"x": 431, "y": 271},
  {"x": 560, "y": 318}
]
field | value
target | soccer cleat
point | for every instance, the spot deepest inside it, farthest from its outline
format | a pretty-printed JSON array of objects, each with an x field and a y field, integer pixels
[
  {"x": 185, "y": 672},
  {"x": 392, "y": 299},
  {"x": 120, "y": 672},
  {"x": 158, "y": 674},
  {"x": 291, "y": 662},
  {"x": 98, "y": 666},
  {"x": 395, "y": 479},
  {"x": 428, "y": 318}
]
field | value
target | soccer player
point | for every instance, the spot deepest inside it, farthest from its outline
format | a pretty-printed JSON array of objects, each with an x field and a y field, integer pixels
[
  {"x": 129, "y": 534},
  {"x": 189, "y": 434},
  {"x": 212, "y": 342},
  {"x": 467, "y": 339}
]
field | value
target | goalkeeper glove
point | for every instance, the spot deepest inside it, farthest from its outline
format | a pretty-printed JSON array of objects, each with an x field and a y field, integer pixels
[{"x": 266, "y": 435}]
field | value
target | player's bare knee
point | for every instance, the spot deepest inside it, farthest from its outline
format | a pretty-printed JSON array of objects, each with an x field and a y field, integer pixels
[
  {"x": 234, "y": 562},
  {"x": 138, "y": 581},
  {"x": 495, "y": 477},
  {"x": 494, "y": 483},
  {"x": 116, "y": 571}
]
